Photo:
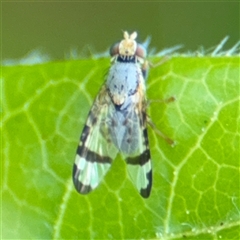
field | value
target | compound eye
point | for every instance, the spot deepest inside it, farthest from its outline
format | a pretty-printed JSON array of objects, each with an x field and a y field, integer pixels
[
  {"x": 141, "y": 51},
  {"x": 114, "y": 50}
]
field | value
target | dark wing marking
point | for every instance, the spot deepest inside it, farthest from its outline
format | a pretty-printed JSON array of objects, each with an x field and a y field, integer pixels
[{"x": 96, "y": 150}]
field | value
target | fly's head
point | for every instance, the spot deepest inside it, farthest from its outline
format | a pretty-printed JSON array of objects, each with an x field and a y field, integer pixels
[
  {"x": 128, "y": 48},
  {"x": 128, "y": 45}
]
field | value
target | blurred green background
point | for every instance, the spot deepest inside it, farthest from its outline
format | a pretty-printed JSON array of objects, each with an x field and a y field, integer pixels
[{"x": 57, "y": 27}]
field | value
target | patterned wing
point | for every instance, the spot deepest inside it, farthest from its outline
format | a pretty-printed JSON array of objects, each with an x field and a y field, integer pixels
[
  {"x": 139, "y": 163},
  {"x": 129, "y": 134},
  {"x": 96, "y": 150}
]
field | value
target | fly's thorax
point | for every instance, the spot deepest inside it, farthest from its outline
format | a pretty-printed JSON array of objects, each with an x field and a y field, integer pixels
[{"x": 123, "y": 81}]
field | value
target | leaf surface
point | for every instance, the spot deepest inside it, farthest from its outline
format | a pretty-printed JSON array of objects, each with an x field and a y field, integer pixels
[{"x": 195, "y": 184}]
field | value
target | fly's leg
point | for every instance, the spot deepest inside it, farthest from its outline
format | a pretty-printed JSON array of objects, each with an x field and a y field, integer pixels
[
  {"x": 162, "y": 135},
  {"x": 167, "y": 100},
  {"x": 153, "y": 126},
  {"x": 162, "y": 61}
]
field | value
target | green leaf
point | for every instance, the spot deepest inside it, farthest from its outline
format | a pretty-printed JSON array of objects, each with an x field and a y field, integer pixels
[{"x": 195, "y": 184}]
